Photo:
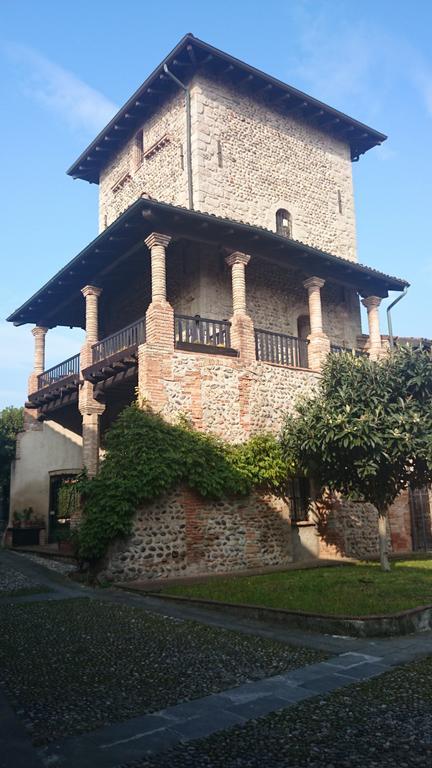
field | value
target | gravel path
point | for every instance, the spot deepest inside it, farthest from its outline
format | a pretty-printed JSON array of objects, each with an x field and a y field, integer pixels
[
  {"x": 13, "y": 582},
  {"x": 103, "y": 663},
  {"x": 385, "y": 723},
  {"x": 58, "y": 566}
]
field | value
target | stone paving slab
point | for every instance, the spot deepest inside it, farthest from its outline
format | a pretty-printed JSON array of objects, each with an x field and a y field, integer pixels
[{"x": 201, "y": 717}]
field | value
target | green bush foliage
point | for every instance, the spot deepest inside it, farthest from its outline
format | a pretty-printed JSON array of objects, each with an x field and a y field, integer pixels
[
  {"x": 147, "y": 457},
  {"x": 68, "y": 500}
]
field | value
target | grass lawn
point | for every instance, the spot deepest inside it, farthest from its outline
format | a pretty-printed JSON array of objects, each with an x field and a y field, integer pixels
[{"x": 351, "y": 590}]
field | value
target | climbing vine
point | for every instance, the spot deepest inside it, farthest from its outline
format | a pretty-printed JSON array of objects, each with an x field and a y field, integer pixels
[{"x": 147, "y": 457}]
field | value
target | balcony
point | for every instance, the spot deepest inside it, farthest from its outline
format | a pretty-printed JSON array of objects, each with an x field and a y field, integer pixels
[
  {"x": 281, "y": 349},
  {"x": 115, "y": 357},
  {"x": 59, "y": 383},
  {"x": 199, "y": 334},
  {"x": 116, "y": 354},
  {"x": 337, "y": 349}
]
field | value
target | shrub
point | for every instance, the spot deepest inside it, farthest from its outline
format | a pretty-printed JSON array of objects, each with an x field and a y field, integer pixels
[{"x": 147, "y": 457}]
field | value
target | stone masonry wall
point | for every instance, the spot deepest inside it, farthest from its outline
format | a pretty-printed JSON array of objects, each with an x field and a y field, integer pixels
[
  {"x": 182, "y": 535},
  {"x": 223, "y": 396},
  {"x": 276, "y": 298},
  {"x": 348, "y": 529},
  {"x": 162, "y": 175},
  {"x": 248, "y": 160},
  {"x": 266, "y": 160}
]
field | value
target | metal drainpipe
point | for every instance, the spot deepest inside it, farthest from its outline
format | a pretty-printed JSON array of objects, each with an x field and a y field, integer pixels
[
  {"x": 389, "y": 320},
  {"x": 188, "y": 132}
]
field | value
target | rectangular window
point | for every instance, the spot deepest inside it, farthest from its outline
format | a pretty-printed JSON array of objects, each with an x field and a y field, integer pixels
[
  {"x": 138, "y": 150},
  {"x": 219, "y": 154},
  {"x": 340, "y": 201},
  {"x": 299, "y": 498}
]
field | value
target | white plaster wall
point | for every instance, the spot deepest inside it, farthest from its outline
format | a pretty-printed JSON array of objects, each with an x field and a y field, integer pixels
[{"x": 39, "y": 452}]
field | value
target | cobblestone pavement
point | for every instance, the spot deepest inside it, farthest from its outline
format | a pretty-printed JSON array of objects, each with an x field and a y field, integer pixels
[
  {"x": 58, "y": 566},
  {"x": 307, "y": 717},
  {"x": 13, "y": 581}
]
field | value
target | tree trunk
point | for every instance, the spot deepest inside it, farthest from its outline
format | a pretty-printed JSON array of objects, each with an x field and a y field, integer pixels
[{"x": 382, "y": 532}]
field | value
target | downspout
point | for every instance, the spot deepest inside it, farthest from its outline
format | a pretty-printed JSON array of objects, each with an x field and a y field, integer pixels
[
  {"x": 186, "y": 90},
  {"x": 389, "y": 320}
]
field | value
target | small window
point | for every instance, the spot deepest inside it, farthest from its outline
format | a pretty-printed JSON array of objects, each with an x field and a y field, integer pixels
[
  {"x": 182, "y": 163},
  {"x": 340, "y": 201},
  {"x": 219, "y": 154},
  {"x": 299, "y": 498},
  {"x": 283, "y": 223},
  {"x": 138, "y": 149}
]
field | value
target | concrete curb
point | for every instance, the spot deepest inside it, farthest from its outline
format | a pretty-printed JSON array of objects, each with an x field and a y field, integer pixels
[{"x": 418, "y": 619}]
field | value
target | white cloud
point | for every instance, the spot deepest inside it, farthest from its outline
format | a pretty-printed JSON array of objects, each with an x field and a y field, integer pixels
[{"x": 77, "y": 103}]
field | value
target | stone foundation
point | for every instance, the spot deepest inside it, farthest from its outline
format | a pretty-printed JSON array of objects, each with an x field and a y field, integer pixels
[
  {"x": 349, "y": 529},
  {"x": 182, "y": 535}
]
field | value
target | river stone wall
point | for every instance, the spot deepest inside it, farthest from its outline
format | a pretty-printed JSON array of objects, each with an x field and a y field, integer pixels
[{"x": 182, "y": 535}]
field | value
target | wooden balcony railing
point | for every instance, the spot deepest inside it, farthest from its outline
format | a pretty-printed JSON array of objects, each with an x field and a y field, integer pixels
[
  {"x": 337, "y": 349},
  {"x": 69, "y": 367},
  {"x": 130, "y": 336},
  {"x": 202, "y": 331},
  {"x": 281, "y": 349}
]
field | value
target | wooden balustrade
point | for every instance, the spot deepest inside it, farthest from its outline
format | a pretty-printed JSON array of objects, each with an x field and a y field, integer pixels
[
  {"x": 130, "y": 336},
  {"x": 202, "y": 331},
  {"x": 69, "y": 367},
  {"x": 281, "y": 349},
  {"x": 337, "y": 349}
]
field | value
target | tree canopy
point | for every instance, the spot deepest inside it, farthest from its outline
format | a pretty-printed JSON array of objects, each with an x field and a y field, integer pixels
[
  {"x": 368, "y": 432},
  {"x": 11, "y": 422}
]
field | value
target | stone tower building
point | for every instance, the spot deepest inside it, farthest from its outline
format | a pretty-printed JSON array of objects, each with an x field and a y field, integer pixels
[{"x": 224, "y": 272}]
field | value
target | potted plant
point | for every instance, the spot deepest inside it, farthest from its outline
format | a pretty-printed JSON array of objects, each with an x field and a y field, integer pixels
[
  {"x": 65, "y": 540},
  {"x": 16, "y": 519}
]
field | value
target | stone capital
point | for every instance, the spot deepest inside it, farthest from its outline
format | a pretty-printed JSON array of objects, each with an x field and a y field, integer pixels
[
  {"x": 371, "y": 301},
  {"x": 38, "y": 330},
  {"x": 157, "y": 238},
  {"x": 91, "y": 290},
  {"x": 237, "y": 258},
  {"x": 314, "y": 282}
]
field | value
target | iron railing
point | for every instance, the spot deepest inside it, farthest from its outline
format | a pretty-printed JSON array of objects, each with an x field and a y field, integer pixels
[
  {"x": 130, "y": 336},
  {"x": 281, "y": 349},
  {"x": 69, "y": 367},
  {"x": 337, "y": 349},
  {"x": 201, "y": 330}
]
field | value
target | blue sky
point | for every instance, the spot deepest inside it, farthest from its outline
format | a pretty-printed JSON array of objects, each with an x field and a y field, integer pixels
[{"x": 66, "y": 66}]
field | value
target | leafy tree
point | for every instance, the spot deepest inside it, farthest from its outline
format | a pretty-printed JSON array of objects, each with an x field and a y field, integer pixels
[
  {"x": 11, "y": 422},
  {"x": 368, "y": 432}
]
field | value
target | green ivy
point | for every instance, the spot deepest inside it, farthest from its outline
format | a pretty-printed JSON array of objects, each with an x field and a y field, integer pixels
[{"x": 147, "y": 457}]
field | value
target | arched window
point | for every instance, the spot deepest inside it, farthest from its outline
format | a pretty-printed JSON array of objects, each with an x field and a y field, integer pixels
[{"x": 283, "y": 222}]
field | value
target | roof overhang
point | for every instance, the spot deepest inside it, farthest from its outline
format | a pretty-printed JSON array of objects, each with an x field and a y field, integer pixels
[
  {"x": 59, "y": 301},
  {"x": 191, "y": 55}
]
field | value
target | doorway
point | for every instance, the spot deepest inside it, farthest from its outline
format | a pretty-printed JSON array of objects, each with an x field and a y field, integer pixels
[
  {"x": 57, "y": 525},
  {"x": 421, "y": 528},
  {"x": 303, "y": 331}
]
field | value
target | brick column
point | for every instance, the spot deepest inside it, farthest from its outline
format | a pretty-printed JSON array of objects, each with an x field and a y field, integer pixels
[
  {"x": 89, "y": 407},
  {"x": 39, "y": 334},
  {"x": 242, "y": 330},
  {"x": 160, "y": 314},
  {"x": 372, "y": 304},
  {"x": 319, "y": 344},
  {"x": 156, "y": 355}
]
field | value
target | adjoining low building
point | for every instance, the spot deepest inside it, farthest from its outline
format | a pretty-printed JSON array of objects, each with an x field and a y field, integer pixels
[{"x": 224, "y": 273}]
